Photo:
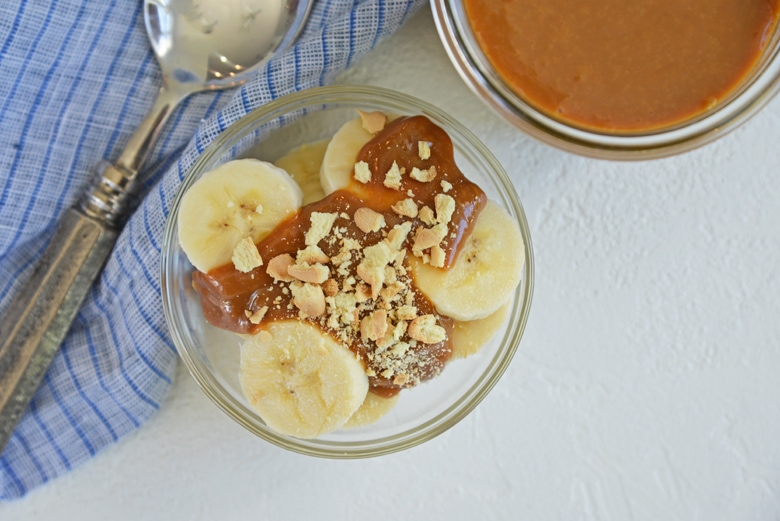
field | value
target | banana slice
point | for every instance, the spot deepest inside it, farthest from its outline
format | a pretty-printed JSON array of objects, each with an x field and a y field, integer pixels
[
  {"x": 238, "y": 199},
  {"x": 303, "y": 165},
  {"x": 468, "y": 337},
  {"x": 301, "y": 381},
  {"x": 373, "y": 408},
  {"x": 340, "y": 157},
  {"x": 485, "y": 274}
]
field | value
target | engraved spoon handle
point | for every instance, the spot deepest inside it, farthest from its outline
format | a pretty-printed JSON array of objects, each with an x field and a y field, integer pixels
[
  {"x": 39, "y": 317},
  {"x": 113, "y": 187},
  {"x": 41, "y": 314}
]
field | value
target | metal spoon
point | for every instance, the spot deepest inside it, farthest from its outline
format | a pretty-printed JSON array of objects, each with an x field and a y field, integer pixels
[{"x": 200, "y": 45}]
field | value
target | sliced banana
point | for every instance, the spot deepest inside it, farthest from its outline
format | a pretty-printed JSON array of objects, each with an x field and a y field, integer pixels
[
  {"x": 341, "y": 155},
  {"x": 238, "y": 199},
  {"x": 303, "y": 165},
  {"x": 485, "y": 274},
  {"x": 468, "y": 337},
  {"x": 301, "y": 381},
  {"x": 374, "y": 407}
]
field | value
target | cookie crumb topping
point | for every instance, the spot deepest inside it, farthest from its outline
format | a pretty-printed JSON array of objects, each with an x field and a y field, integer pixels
[
  {"x": 246, "y": 257},
  {"x": 362, "y": 172}
]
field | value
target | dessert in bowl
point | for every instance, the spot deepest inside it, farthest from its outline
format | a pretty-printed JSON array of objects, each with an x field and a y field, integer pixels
[{"x": 332, "y": 276}]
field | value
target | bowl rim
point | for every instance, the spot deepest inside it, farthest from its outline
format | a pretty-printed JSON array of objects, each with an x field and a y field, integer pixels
[
  {"x": 756, "y": 91},
  {"x": 353, "y": 95}
]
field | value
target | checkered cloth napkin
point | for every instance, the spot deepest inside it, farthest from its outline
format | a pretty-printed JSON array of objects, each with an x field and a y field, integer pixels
[{"x": 76, "y": 78}]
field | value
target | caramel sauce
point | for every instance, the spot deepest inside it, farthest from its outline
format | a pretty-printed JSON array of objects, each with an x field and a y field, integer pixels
[
  {"x": 623, "y": 65},
  {"x": 226, "y": 293},
  {"x": 398, "y": 142}
]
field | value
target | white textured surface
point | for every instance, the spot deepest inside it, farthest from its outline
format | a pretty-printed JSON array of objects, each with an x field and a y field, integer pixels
[{"x": 646, "y": 386}]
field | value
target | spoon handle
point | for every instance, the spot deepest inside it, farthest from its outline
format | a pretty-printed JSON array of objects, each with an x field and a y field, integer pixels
[
  {"x": 114, "y": 186},
  {"x": 39, "y": 317},
  {"x": 41, "y": 314}
]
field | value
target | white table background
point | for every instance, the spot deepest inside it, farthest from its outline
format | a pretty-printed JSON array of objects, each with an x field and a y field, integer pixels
[{"x": 646, "y": 386}]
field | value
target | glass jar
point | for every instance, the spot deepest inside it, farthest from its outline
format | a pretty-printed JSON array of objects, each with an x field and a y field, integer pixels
[{"x": 754, "y": 92}]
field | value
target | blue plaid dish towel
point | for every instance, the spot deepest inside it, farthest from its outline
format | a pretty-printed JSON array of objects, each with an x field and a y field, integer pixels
[{"x": 76, "y": 78}]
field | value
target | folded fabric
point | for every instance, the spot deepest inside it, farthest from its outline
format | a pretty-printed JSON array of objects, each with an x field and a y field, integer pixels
[{"x": 76, "y": 78}]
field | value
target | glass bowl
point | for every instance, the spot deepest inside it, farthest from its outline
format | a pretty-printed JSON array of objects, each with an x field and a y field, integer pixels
[
  {"x": 755, "y": 91},
  {"x": 212, "y": 355}
]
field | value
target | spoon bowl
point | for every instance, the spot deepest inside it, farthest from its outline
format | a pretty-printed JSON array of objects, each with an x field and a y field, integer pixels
[
  {"x": 202, "y": 45},
  {"x": 214, "y": 43}
]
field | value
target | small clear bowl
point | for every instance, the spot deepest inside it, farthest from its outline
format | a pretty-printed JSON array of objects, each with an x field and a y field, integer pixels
[
  {"x": 755, "y": 91},
  {"x": 212, "y": 355}
]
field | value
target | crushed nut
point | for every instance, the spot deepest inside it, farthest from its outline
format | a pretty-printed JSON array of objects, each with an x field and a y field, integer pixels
[
  {"x": 330, "y": 287},
  {"x": 386, "y": 341},
  {"x": 368, "y": 220},
  {"x": 311, "y": 255},
  {"x": 424, "y": 176},
  {"x": 374, "y": 278},
  {"x": 277, "y": 267},
  {"x": 374, "y": 326},
  {"x": 406, "y": 208},
  {"x": 362, "y": 292},
  {"x": 390, "y": 291},
  {"x": 393, "y": 177},
  {"x": 314, "y": 273},
  {"x": 373, "y": 122},
  {"x": 308, "y": 298},
  {"x": 426, "y": 237},
  {"x": 446, "y": 186},
  {"x": 426, "y": 216}
]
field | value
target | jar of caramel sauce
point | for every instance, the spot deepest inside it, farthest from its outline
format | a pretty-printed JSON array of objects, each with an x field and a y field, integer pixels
[
  {"x": 617, "y": 65},
  {"x": 616, "y": 79}
]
